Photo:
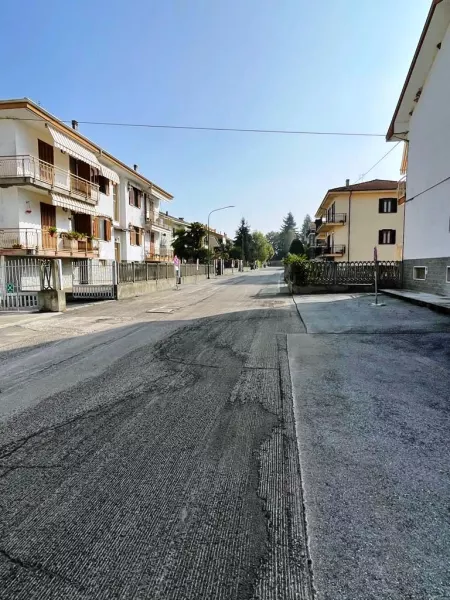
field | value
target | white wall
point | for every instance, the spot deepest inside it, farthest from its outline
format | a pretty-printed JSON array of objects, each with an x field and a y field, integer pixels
[
  {"x": 9, "y": 209},
  {"x": 7, "y": 138},
  {"x": 427, "y": 217}
]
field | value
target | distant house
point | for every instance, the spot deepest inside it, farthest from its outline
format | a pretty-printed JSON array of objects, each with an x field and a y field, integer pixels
[
  {"x": 422, "y": 120},
  {"x": 352, "y": 220}
]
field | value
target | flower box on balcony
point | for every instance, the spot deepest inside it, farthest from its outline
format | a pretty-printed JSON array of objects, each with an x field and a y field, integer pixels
[{"x": 70, "y": 244}]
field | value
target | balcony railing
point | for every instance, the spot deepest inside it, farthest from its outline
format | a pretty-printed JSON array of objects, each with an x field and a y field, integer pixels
[
  {"x": 42, "y": 242},
  {"x": 335, "y": 250},
  {"x": 331, "y": 220},
  {"x": 162, "y": 257},
  {"x": 153, "y": 218},
  {"x": 401, "y": 190},
  {"x": 40, "y": 172}
]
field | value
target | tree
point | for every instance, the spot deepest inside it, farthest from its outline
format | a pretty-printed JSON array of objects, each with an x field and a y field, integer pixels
[
  {"x": 304, "y": 232},
  {"x": 297, "y": 247},
  {"x": 243, "y": 239},
  {"x": 261, "y": 250},
  {"x": 288, "y": 232},
  {"x": 274, "y": 239},
  {"x": 189, "y": 244}
]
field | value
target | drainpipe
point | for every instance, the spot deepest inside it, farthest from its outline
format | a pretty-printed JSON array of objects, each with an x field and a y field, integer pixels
[{"x": 348, "y": 229}]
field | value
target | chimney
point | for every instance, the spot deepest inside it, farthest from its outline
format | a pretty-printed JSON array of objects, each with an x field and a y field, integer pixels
[
  {"x": 74, "y": 124},
  {"x": 347, "y": 182},
  {"x": 135, "y": 167}
]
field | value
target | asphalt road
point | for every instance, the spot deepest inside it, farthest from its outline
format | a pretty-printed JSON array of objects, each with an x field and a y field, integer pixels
[
  {"x": 152, "y": 455},
  {"x": 372, "y": 405}
]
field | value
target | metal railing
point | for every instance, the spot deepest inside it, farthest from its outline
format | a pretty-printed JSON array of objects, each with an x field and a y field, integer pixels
[
  {"x": 39, "y": 171},
  {"x": 324, "y": 250},
  {"x": 336, "y": 218},
  {"x": 162, "y": 257},
  {"x": 42, "y": 241},
  {"x": 345, "y": 273}
]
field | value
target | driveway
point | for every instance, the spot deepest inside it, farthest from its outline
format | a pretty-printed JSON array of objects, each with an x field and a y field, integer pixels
[{"x": 372, "y": 406}]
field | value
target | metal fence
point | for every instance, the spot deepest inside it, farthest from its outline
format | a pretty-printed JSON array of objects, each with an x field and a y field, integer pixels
[
  {"x": 93, "y": 279},
  {"x": 132, "y": 272},
  {"x": 20, "y": 281},
  {"x": 345, "y": 273}
]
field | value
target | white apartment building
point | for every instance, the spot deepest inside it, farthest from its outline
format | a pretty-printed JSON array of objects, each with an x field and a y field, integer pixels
[
  {"x": 422, "y": 120},
  {"x": 62, "y": 196}
]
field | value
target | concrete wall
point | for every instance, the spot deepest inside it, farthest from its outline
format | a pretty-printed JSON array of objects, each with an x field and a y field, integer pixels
[
  {"x": 7, "y": 138},
  {"x": 140, "y": 288},
  {"x": 427, "y": 232},
  {"x": 9, "y": 207}
]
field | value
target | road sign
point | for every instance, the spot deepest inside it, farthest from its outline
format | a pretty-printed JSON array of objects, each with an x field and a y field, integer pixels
[{"x": 10, "y": 288}]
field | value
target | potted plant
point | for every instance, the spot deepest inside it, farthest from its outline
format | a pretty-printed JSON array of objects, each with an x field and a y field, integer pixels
[
  {"x": 70, "y": 240},
  {"x": 17, "y": 246},
  {"x": 52, "y": 230}
]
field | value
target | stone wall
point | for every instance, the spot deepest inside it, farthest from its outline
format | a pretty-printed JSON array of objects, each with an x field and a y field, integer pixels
[{"x": 435, "y": 283}]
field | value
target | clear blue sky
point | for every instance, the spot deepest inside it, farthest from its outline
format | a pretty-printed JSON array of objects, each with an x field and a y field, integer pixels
[{"x": 291, "y": 64}]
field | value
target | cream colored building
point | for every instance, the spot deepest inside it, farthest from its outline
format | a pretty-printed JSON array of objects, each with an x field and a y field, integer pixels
[{"x": 358, "y": 218}]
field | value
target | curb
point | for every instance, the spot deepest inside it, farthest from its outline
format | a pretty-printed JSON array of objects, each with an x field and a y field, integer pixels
[{"x": 439, "y": 308}]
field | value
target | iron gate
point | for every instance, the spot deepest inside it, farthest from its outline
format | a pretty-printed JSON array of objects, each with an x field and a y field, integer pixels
[
  {"x": 94, "y": 279},
  {"x": 20, "y": 281}
]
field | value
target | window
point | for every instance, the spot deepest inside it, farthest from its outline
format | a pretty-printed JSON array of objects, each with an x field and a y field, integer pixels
[
  {"x": 103, "y": 183},
  {"x": 386, "y": 236},
  {"x": 387, "y": 205},
  {"x": 448, "y": 274},
  {"x": 135, "y": 236},
  {"x": 420, "y": 273},
  {"x": 135, "y": 196},
  {"x": 102, "y": 229}
]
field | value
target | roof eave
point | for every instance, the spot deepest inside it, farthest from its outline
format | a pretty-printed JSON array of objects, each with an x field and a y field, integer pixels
[{"x": 403, "y": 135}]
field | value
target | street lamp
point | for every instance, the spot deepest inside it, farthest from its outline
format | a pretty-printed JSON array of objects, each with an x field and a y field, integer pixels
[{"x": 207, "y": 233}]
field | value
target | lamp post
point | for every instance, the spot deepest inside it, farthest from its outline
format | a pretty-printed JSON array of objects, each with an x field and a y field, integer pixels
[{"x": 207, "y": 233}]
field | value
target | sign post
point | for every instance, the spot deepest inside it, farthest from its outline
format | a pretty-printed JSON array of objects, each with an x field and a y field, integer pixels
[{"x": 375, "y": 277}]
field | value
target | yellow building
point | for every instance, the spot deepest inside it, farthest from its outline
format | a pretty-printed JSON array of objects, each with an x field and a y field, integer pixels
[{"x": 354, "y": 219}]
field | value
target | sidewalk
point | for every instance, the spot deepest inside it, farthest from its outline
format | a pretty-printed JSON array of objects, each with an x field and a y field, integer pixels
[{"x": 432, "y": 301}]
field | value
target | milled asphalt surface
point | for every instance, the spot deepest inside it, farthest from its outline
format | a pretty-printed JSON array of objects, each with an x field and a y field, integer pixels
[
  {"x": 152, "y": 455},
  {"x": 372, "y": 406}
]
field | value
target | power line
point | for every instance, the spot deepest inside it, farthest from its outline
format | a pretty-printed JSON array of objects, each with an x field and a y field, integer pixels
[
  {"x": 428, "y": 189},
  {"x": 222, "y": 129},
  {"x": 378, "y": 162}
]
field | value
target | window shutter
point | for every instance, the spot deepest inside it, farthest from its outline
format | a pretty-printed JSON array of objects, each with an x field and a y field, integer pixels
[
  {"x": 132, "y": 237},
  {"x": 393, "y": 236},
  {"x": 380, "y": 236},
  {"x": 95, "y": 227},
  {"x": 108, "y": 230},
  {"x": 381, "y": 205},
  {"x": 139, "y": 199},
  {"x": 131, "y": 196}
]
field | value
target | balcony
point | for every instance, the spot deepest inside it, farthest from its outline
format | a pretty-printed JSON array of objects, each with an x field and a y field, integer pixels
[
  {"x": 327, "y": 251},
  {"x": 157, "y": 223},
  {"x": 331, "y": 221},
  {"x": 164, "y": 257},
  {"x": 27, "y": 169},
  {"x": 40, "y": 242},
  {"x": 401, "y": 190}
]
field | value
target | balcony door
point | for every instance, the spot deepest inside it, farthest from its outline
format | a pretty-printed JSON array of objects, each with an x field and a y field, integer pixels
[
  {"x": 48, "y": 219},
  {"x": 46, "y": 161}
]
